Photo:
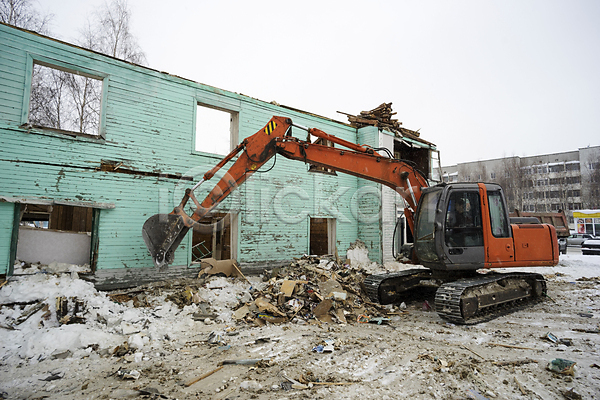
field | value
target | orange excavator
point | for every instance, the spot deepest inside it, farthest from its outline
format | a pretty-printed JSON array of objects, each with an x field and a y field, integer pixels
[{"x": 458, "y": 229}]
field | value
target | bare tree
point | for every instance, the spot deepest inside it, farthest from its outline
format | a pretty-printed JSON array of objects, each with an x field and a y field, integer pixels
[
  {"x": 65, "y": 101},
  {"x": 22, "y": 14},
  {"x": 110, "y": 33},
  {"x": 595, "y": 186},
  {"x": 509, "y": 176},
  {"x": 71, "y": 100},
  {"x": 47, "y": 100},
  {"x": 591, "y": 179}
]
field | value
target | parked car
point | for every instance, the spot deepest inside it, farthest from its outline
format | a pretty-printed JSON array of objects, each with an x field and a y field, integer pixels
[
  {"x": 591, "y": 247},
  {"x": 576, "y": 239}
]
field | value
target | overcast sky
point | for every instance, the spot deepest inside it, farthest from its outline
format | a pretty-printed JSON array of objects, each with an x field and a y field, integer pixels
[{"x": 480, "y": 79}]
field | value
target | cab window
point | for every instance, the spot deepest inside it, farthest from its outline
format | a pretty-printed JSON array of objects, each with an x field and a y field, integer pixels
[
  {"x": 498, "y": 221},
  {"x": 463, "y": 220}
]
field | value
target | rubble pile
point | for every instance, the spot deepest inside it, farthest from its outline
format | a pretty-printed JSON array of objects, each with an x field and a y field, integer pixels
[
  {"x": 311, "y": 289},
  {"x": 381, "y": 117}
]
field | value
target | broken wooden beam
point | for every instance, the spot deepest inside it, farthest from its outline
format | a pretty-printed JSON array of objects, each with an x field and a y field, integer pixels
[{"x": 199, "y": 378}]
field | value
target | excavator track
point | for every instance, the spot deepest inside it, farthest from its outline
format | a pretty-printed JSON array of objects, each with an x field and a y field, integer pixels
[
  {"x": 478, "y": 299},
  {"x": 387, "y": 288}
]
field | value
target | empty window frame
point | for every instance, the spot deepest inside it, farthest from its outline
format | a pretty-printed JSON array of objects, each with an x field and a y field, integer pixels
[
  {"x": 56, "y": 233},
  {"x": 66, "y": 99},
  {"x": 216, "y": 130},
  {"x": 323, "y": 170},
  {"x": 215, "y": 236}
]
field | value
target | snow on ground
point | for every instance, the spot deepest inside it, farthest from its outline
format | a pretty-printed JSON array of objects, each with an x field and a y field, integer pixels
[
  {"x": 419, "y": 355},
  {"x": 107, "y": 322},
  {"x": 571, "y": 266}
]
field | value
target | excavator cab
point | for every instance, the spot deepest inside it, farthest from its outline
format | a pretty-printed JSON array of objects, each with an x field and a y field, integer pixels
[
  {"x": 466, "y": 226},
  {"x": 450, "y": 228}
]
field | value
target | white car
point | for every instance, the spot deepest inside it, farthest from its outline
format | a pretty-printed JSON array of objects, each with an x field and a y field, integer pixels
[
  {"x": 591, "y": 246},
  {"x": 576, "y": 239}
]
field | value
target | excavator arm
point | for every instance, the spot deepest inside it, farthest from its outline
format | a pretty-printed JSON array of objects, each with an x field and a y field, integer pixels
[{"x": 164, "y": 232}]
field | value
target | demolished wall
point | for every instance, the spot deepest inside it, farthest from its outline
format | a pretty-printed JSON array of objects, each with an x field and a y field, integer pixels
[{"x": 144, "y": 157}]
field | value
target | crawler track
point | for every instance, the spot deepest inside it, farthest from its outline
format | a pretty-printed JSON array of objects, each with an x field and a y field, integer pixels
[
  {"x": 387, "y": 288},
  {"x": 483, "y": 298},
  {"x": 465, "y": 301}
]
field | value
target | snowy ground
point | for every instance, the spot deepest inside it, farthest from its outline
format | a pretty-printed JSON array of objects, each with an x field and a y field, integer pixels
[{"x": 418, "y": 356}]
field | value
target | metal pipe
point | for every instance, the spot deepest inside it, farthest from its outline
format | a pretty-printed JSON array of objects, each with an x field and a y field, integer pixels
[
  {"x": 300, "y": 127},
  {"x": 412, "y": 194},
  {"x": 198, "y": 184}
]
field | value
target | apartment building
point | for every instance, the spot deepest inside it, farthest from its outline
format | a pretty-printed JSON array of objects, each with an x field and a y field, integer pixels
[{"x": 568, "y": 181}]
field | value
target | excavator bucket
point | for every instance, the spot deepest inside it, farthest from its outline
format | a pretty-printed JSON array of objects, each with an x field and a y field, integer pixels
[{"x": 162, "y": 234}]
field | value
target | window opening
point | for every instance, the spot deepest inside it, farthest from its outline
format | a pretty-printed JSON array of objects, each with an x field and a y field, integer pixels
[
  {"x": 463, "y": 220},
  {"x": 212, "y": 238},
  {"x": 498, "y": 219},
  {"x": 323, "y": 170},
  {"x": 215, "y": 130},
  {"x": 55, "y": 233},
  {"x": 65, "y": 100}
]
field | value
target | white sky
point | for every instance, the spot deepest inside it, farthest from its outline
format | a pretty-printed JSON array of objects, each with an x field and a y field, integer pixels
[{"x": 480, "y": 79}]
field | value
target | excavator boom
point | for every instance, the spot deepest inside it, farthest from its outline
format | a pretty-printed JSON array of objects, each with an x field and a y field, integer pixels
[{"x": 162, "y": 233}]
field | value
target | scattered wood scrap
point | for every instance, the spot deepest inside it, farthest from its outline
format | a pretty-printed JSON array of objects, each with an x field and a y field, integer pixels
[
  {"x": 511, "y": 346},
  {"x": 472, "y": 351},
  {"x": 521, "y": 388},
  {"x": 586, "y": 330},
  {"x": 381, "y": 117},
  {"x": 514, "y": 363},
  {"x": 199, "y": 378}
]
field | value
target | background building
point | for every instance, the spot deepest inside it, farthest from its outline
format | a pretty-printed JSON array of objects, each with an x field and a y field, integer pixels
[{"x": 566, "y": 181}]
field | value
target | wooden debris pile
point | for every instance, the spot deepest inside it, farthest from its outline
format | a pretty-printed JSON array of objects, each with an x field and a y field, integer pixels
[
  {"x": 380, "y": 117},
  {"x": 313, "y": 289}
]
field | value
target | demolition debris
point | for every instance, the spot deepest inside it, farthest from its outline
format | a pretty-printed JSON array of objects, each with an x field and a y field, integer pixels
[{"x": 381, "y": 117}]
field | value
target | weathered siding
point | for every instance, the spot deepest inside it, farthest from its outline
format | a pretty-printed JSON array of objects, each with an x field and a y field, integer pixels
[
  {"x": 275, "y": 206},
  {"x": 6, "y": 225},
  {"x": 148, "y": 126},
  {"x": 368, "y": 197},
  {"x": 389, "y": 198}
]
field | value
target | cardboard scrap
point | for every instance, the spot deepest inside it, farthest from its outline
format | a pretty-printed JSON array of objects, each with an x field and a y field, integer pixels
[
  {"x": 332, "y": 288},
  {"x": 213, "y": 267},
  {"x": 340, "y": 315},
  {"x": 321, "y": 311},
  {"x": 264, "y": 305},
  {"x": 287, "y": 288},
  {"x": 241, "y": 312}
]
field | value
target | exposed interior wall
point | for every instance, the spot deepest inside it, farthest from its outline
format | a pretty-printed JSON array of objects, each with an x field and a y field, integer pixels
[
  {"x": 419, "y": 155},
  {"x": 322, "y": 236},
  {"x": 215, "y": 237},
  {"x": 47, "y": 246}
]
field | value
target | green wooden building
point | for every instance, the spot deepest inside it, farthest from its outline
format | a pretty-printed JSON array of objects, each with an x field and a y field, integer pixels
[{"x": 80, "y": 190}]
